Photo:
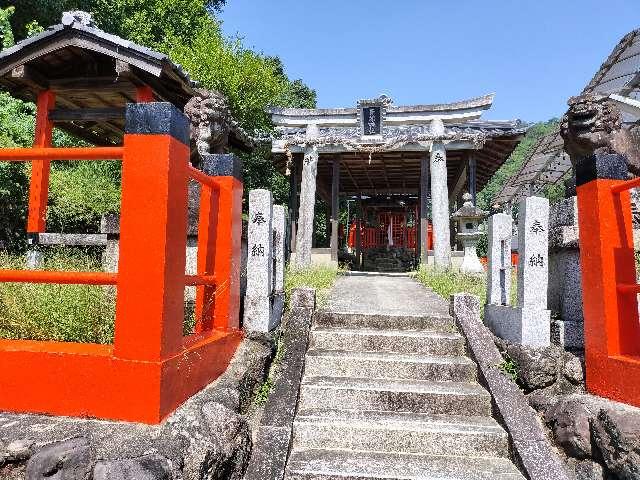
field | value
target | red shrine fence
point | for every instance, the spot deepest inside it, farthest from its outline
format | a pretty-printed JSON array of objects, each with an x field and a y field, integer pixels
[
  {"x": 610, "y": 288},
  {"x": 151, "y": 368}
]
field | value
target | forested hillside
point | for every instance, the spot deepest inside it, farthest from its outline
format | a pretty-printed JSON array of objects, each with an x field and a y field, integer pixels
[
  {"x": 514, "y": 162},
  {"x": 190, "y": 33}
]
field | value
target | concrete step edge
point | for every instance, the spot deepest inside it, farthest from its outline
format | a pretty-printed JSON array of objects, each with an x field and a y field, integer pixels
[
  {"x": 366, "y": 332},
  {"x": 353, "y": 464},
  {"x": 471, "y": 389},
  {"x": 419, "y": 358},
  {"x": 406, "y": 421}
]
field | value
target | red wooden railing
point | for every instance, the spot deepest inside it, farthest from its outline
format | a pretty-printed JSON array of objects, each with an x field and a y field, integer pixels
[
  {"x": 611, "y": 324},
  {"x": 151, "y": 368}
]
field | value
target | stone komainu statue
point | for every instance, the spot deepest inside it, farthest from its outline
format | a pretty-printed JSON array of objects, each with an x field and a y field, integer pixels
[
  {"x": 211, "y": 121},
  {"x": 593, "y": 125}
]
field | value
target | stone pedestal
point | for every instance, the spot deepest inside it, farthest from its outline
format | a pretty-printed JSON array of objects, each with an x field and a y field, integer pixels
[
  {"x": 565, "y": 280},
  {"x": 440, "y": 201},
  {"x": 257, "y": 304},
  {"x": 279, "y": 232},
  {"x": 470, "y": 263},
  {"x": 307, "y": 201},
  {"x": 530, "y": 322}
]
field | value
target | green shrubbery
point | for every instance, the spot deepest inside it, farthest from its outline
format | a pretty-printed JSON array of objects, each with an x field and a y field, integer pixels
[{"x": 66, "y": 313}]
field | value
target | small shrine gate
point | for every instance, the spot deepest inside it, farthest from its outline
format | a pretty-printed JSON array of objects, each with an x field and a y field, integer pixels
[{"x": 421, "y": 155}]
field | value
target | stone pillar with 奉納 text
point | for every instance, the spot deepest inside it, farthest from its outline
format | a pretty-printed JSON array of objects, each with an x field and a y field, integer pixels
[
  {"x": 279, "y": 233},
  {"x": 530, "y": 322},
  {"x": 440, "y": 200},
  {"x": 257, "y": 303}
]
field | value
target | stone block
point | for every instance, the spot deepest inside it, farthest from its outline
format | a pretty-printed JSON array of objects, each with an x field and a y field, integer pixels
[
  {"x": 269, "y": 456},
  {"x": 66, "y": 460},
  {"x": 567, "y": 334},
  {"x": 157, "y": 118},
  {"x": 523, "y": 325},
  {"x": 564, "y": 213},
  {"x": 564, "y": 237},
  {"x": 222, "y": 165},
  {"x": 303, "y": 297},
  {"x": 565, "y": 284},
  {"x": 257, "y": 308},
  {"x": 147, "y": 467}
]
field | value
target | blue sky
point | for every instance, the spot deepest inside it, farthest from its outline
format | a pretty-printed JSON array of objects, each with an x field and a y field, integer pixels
[{"x": 533, "y": 54}]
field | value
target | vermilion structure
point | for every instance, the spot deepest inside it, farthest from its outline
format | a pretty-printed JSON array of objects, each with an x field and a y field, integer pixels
[
  {"x": 151, "y": 368},
  {"x": 611, "y": 325}
]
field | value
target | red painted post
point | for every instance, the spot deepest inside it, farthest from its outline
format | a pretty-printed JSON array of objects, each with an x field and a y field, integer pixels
[
  {"x": 611, "y": 327},
  {"x": 39, "y": 185},
  {"x": 219, "y": 243},
  {"x": 151, "y": 273}
]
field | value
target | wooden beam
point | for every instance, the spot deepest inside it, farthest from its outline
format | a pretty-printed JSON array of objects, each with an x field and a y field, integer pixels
[
  {"x": 86, "y": 114},
  {"x": 473, "y": 177},
  {"x": 27, "y": 75},
  {"x": 460, "y": 180},
  {"x": 353, "y": 180}
]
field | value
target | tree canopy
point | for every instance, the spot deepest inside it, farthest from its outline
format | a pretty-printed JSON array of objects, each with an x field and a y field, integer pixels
[{"x": 186, "y": 30}]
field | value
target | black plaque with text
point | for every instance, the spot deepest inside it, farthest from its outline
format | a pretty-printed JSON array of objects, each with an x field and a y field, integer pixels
[{"x": 371, "y": 120}]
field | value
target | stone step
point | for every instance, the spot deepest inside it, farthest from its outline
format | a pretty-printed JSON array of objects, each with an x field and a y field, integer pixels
[
  {"x": 401, "y": 341},
  {"x": 399, "y": 432},
  {"x": 454, "y": 398},
  {"x": 350, "y": 465},
  {"x": 437, "y": 323},
  {"x": 337, "y": 363}
]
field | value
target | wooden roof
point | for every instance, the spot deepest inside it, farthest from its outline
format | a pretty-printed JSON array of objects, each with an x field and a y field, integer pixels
[
  {"x": 94, "y": 75},
  {"x": 403, "y": 140},
  {"x": 398, "y": 171}
]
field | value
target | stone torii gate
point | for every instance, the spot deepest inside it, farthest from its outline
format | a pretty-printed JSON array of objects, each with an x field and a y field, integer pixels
[{"x": 426, "y": 152}]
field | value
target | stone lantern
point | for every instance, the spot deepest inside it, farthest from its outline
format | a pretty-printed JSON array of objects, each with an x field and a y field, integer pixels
[{"x": 469, "y": 218}]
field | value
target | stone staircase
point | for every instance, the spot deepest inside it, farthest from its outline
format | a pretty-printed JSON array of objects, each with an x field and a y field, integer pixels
[{"x": 393, "y": 397}]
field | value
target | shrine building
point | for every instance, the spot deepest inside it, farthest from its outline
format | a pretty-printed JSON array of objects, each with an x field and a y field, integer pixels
[{"x": 403, "y": 168}]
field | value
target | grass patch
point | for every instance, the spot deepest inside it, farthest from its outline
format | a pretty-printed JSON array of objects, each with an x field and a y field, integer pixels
[
  {"x": 446, "y": 283},
  {"x": 263, "y": 391},
  {"x": 320, "y": 277},
  {"x": 65, "y": 313},
  {"x": 509, "y": 367}
]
